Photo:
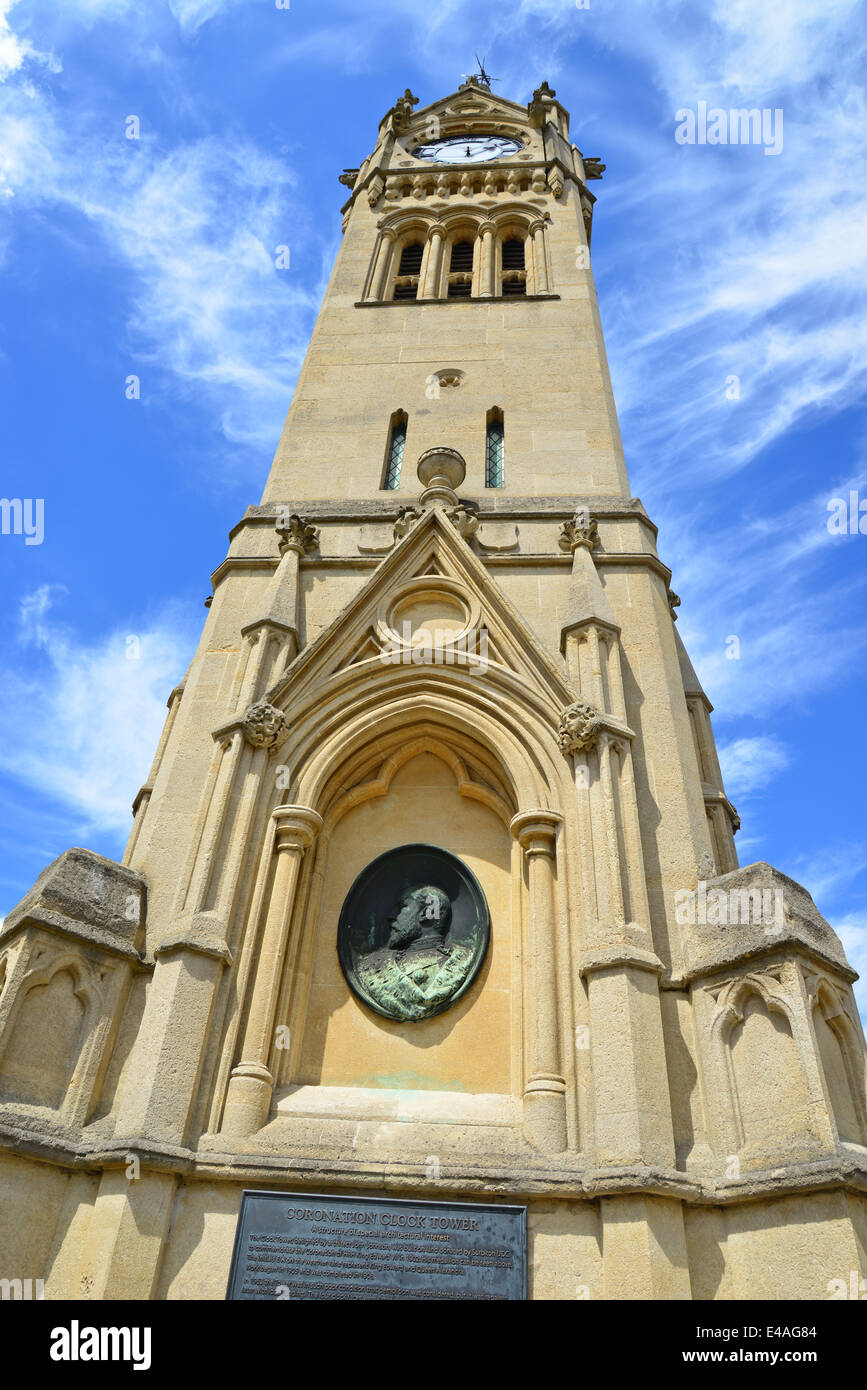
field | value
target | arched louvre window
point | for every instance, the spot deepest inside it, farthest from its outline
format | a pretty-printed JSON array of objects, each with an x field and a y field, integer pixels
[
  {"x": 395, "y": 450},
  {"x": 461, "y": 270},
  {"x": 406, "y": 283},
  {"x": 495, "y": 450},
  {"x": 514, "y": 267}
]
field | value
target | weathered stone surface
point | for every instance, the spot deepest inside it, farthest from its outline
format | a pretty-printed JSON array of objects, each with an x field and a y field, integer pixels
[
  {"x": 88, "y": 896},
  {"x": 767, "y": 911}
]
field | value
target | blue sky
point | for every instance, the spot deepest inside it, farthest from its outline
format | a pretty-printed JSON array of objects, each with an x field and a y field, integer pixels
[{"x": 155, "y": 258}]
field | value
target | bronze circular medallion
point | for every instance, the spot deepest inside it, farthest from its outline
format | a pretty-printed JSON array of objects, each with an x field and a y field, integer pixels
[{"x": 413, "y": 932}]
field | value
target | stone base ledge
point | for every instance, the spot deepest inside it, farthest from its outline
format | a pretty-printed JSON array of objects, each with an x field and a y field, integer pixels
[
  {"x": 359, "y": 1104},
  {"x": 488, "y": 1175}
]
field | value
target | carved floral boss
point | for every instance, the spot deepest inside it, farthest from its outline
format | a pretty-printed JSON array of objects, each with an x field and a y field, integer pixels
[
  {"x": 263, "y": 725},
  {"x": 580, "y": 726}
]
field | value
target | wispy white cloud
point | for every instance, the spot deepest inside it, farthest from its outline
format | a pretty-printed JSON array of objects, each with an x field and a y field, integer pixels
[
  {"x": 13, "y": 48},
  {"x": 748, "y": 764},
  {"x": 192, "y": 14},
  {"x": 830, "y": 870},
  {"x": 198, "y": 224},
  {"x": 768, "y": 45},
  {"x": 200, "y": 227},
  {"x": 80, "y": 720},
  {"x": 760, "y": 589}
]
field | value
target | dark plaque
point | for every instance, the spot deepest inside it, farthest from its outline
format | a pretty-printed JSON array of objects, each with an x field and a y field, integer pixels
[
  {"x": 413, "y": 932},
  {"x": 290, "y": 1245}
]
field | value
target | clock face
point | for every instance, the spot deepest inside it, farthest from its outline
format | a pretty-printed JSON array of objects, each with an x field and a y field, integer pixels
[{"x": 469, "y": 149}]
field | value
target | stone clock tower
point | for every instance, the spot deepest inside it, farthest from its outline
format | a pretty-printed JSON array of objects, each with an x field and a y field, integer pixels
[{"x": 432, "y": 889}]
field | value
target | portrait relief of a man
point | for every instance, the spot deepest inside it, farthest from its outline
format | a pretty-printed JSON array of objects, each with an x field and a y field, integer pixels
[{"x": 419, "y": 969}]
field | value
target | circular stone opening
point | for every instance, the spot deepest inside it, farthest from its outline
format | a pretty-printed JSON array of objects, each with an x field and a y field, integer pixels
[{"x": 436, "y": 617}]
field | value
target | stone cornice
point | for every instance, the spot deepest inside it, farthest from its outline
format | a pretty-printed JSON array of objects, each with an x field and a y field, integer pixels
[
  {"x": 714, "y": 796},
  {"x": 603, "y": 506},
  {"x": 371, "y": 562},
  {"x": 385, "y": 173},
  {"x": 568, "y": 1180},
  {"x": 279, "y": 629},
  {"x": 88, "y": 933},
  {"x": 776, "y": 950},
  {"x": 497, "y": 299},
  {"x": 198, "y": 942},
  {"x": 620, "y": 957}
]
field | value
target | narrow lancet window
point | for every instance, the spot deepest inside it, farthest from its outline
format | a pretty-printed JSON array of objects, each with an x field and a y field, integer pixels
[
  {"x": 408, "y": 272},
  {"x": 514, "y": 268},
  {"x": 395, "y": 450},
  {"x": 495, "y": 450},
  {"x": 461, "y": 270}
]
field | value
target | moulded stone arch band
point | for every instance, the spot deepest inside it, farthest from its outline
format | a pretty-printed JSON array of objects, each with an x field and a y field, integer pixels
[
  {"x": 828, "y": 1002},
  {"x": 84, "y": 987},
  {"x": 532, "y": 773},
  {"x": 400, "y": 225},
  {"x": 507, "y": 693},
  {"x": 518, "y": 676},
  {"x": 513, "y": 707},
  {"x": 526, "y": 777},
  {"x": 365, "y": 766},
  {"x": 730, "y": 1007},
  {"x": 827, "y": 999},
  {"x": 501, "y": 694},
  {"x": 499, "y": 216},
  {"x": 380, "y": 785}
]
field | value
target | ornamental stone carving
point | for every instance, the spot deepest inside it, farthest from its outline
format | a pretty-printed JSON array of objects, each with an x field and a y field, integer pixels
[
  {"x": 555, "y": 182},
  {"x": 402, "y": 111},
  {"x": 538, "y": 108},
  {"x": 406, "y": 519},
  {"x": 581, "y": 530},
  {"x": 263, "y": 725},
  {"x": 464, "y": 522},
  {"x": 580, "y": 727},
  {"x": 594, "y": 168},
  {"x": 297, "y": 534}
]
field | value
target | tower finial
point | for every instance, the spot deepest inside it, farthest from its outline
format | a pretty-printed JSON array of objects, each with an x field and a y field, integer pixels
[{"x": 482, "y": 78}]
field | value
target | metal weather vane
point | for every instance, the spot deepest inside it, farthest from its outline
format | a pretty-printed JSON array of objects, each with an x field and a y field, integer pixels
[{"x": 482, "y": 78}]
